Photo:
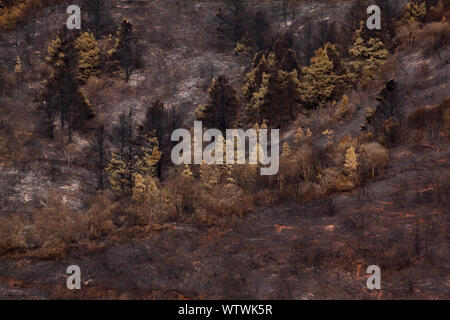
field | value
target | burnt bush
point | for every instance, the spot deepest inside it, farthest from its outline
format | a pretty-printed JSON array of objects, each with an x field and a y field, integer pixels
[{"x": 428, "y": 123}]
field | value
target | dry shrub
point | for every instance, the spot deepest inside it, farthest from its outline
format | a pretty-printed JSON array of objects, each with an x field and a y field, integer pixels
[
  {"x": 223, "y": 201},
  {"x": 309, "y": 191},
  {"x": 288, "y": 179},
  {"x": 335, "y": 181},
  {"x": 374, "y": 157},
  {"x": 210, "y": 193},
  {"x": 318, "y": 120},
  {"x": 12, "y": 235},
  {"x": 407, "y": 35},
  {"x": 431, "y": 37},
  {"x": 56, "y": 227},
  {"x": 434, "y": 37},
  {"x": 185, "y": 189},
  {"x": 157, "y": 204},
  {"x": 343, "y": 145},
  {"x": 246, "y": 177},
  {"x": 298, "y": 171},
  {"x": 98, "y": 218},
  {"x": 306, "y": 162},
  {"x": 428, "y": 123}
]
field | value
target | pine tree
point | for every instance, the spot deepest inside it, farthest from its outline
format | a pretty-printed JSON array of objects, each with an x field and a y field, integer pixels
[
  {"x": 119, "y": 176},
  {"x": 387, "y": 113},
  {"x": 145, "y": 166},
  {"x": 61, "y": 94},
  {"x": 127, "y": 177},
  {"x": 155, "y": 117},
  {"x": 286, "y": 150},
  {"x": 416, "y": 10},
  {"x": 368, "y": 55},
  {"x": 285, "y": 56},
  {"x": 323, "y": 79},
  {"x": 351, "y": 160},
  {"x": 232, "y": 20},
  {"x": 8, "y": 3},
  {"x": 18, "y": 72},
  {"x": 136, "y": 155},
  {"x": 215, "y": 175},
  {"x": 271, "y": 88},
  {"x": 18, "y": 67},
  {"x": 139, "y": 186},
  {"x": 278, "y": 98},
  {"x": 329, "y": 134},
  {"x": 221, "y": 112},
  {"x": 88, "y": 56},
  {"x": 149, "y": 158},
  {"x": 299, "y": 136},
  {"x": 253, "y": 79},
  {"x": 344, "y": 106},
  {"x": 126, "y": 52}
]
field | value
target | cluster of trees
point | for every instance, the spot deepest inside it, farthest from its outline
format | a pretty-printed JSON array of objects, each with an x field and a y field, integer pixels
[
  {"x": 74, "y": 58},
  {"x": 278, "y": 88},
  {"x": 282, "y": 82},
  {"x": 426, "y": 10},
  {"x": 62, "y": 94},
  {"x": 275, "y": 91},
  {"x": 135, "y": 156}
]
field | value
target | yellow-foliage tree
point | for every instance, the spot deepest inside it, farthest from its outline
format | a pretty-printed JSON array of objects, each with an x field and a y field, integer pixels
[
  {"x": 118, "y": 176},
  {"x": 18, "y": 72},
  {"x": 416, "y": 10},
  {"x": 351, "y": 161},
  {"x": 129, "y": 178},
  {"x": 344, "y": 106},
  {"x": 88, "y": 56},
  {"x": 368, "y": 56},
  {"x": 323, "y": 79}
]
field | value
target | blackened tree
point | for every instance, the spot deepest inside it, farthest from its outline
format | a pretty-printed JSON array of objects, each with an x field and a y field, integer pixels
[
  {"x": 385, "y": 118},
  {"x": 126, "y": 54},
  {"x": 232, "y": 19},
  {"x": 99, "y": 18},
  {"x": 222, "y": 109},
  {"x": 61, "y": 94}
]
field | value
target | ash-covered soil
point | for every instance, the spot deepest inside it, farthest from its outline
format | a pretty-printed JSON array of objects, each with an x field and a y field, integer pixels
[{"x": 290, "y": 252}]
